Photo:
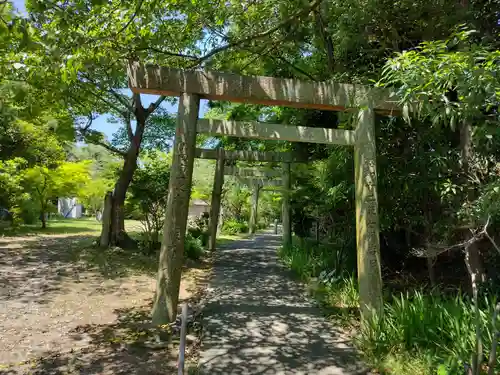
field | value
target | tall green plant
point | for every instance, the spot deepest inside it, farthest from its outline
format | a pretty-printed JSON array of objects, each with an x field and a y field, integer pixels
[{"x": 45, "y": 185}]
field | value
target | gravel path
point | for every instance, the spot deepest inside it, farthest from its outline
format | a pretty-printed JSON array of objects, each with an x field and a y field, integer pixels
[{"x": 259, "y": 321}]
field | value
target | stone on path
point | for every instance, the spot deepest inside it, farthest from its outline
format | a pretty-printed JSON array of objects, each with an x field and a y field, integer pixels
[{"x": 258, "y": 320}]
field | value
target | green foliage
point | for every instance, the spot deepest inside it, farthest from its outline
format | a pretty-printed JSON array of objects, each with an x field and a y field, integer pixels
[
  {"x": 193, "y": 247},
  {"x": 233, "y": 226},
  {"x": 203, "y": 179},
  {"x": 451, "y": 81},
  {"x": 34, "y": 143},
  {"x": 10, "y": 183},
  {"x": 158, "y": 133},
  {"x": 197, "y": 227},
  {"x": 148, "y": 194},
  {"x": 441, "y": 328},
  {"x": 340, "y": 292},
  {"x": 93, "y": 193},
  {"x": 236, "y": 201},
  {"x": 309, "y": 260},
  {"x": 45, "y": 185}
]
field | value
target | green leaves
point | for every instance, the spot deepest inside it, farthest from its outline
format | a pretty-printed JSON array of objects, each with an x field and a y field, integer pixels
[{"x": 448, "y": 81}]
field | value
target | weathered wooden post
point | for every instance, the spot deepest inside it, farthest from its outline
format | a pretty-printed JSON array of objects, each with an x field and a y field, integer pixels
[
  {"x": 216, "y": 198},
  {"x": 254, "y": 208},
  {"x": 286, "y": 222},
  {"x": 179, "y": 191},
  {"x": 367, "y": 223},
  {"x": 275, "y": 226}
]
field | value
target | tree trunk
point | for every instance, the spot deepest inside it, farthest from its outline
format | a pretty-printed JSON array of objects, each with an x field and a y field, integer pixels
[
  {"x": 473, "y": 256},
  {"x": 117, "y": 234},
  {"x": 44, "y": 219}
]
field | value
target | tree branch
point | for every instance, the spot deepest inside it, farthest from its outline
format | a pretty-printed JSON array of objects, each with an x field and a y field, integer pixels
[
  {"x": 265, "y": 51},
  {"x": 327, "y": 41},
  {"x": 100, "y": 97},
  {"x": 153, "y": 106},
  {"x": 312, "y": 5},
  {"x": 128, "y": 125},
  {"x": 109, "y": 147},
  {"x": 168, "y": 53},
  {"x": 88, "y": 125},
  {"x": 293, "y": 66},
  {"x": 118, "y": 97},
  {"x": 439, "y": 249},
  {"x": 137, "y": 10}
]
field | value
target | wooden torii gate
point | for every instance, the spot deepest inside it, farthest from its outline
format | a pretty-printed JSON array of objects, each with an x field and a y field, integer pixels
[
  {"x": 257, "y": 179},
  {"x": 191, "y": 86},
  {"x": 244, "y": 175}
]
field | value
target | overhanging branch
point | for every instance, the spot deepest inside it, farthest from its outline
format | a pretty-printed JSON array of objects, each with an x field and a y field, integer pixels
[
  {"x": 434, "y": 250},
  {"x": 168, "y": 53},
  {"x": 153, "y": 106},
  {"x": 137, "y": 10},
  {"x": 261, "y": 35},
  {"x": 109, "y": 147}
]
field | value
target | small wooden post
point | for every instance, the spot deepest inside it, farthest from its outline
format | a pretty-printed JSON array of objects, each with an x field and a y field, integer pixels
[
  {"x": 254, "y": 208},
  {"x": 367, "y": 222},
  {"x": 275, "y": 226},
  {"x": 286, "y": 222},
  {"x": 174, "y": 231},
  {"x": 216, "y": 198}
]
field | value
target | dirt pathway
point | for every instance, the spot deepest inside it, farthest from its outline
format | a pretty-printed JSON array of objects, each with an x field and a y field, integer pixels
[
  {"x": 64, "y": 310},
  {"x": 259, "y": 321}
]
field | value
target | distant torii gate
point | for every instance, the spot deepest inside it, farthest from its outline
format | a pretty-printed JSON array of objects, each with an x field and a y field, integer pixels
[
  {"x": 256, "y": 179},
  {"x": 191, "y": 86},
  {"x": 245, "y": 174}
]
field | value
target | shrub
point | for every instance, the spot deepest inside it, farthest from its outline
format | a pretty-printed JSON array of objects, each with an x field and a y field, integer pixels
[
  {"x": 310, "y": 260},
  {"x": 417, "y": 334},
  {"x": 233, "y": 226},
  {"x": 439, "y": 329},
  {"x": 340, "y": 292},
  {"x": 29, "y": 212},
  {"x": 193, "y": 247},
  {"x": 198, "y": 228}
]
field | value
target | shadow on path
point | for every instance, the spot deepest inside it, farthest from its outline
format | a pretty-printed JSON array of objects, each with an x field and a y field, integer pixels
[{"x": 258, "y": 320}]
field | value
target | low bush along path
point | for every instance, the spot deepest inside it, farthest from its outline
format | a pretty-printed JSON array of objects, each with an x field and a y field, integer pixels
[
  {"x": 66, "y": 308},
  {"x": 258, "y": 320}
]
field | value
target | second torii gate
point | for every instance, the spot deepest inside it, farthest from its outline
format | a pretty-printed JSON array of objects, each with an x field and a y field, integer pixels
[
  {"x": 256, "y": 179},
  {"x": 221, "y": 156},
  {"x": 191, "y": 86}
]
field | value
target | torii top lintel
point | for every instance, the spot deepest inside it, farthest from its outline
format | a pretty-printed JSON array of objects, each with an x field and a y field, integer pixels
[{"x": 333, "y": 96}]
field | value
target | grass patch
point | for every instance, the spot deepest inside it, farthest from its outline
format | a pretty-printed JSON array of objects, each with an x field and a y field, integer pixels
[
  {"x": 88, "y": 226},
  {"x": 419, "y": 334},
  {"x": 225, "y": 239},
  {"x": 55, "y": 226}
]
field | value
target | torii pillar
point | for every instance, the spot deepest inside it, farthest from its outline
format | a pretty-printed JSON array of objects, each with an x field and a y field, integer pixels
[
  {"x": 255, "y": 205},
  {"x": 367, "y": 222},
  {"x": 179, "y": 190},
  {"x": 216, "y": 198},
  {"x": 285, "y": 213}
]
